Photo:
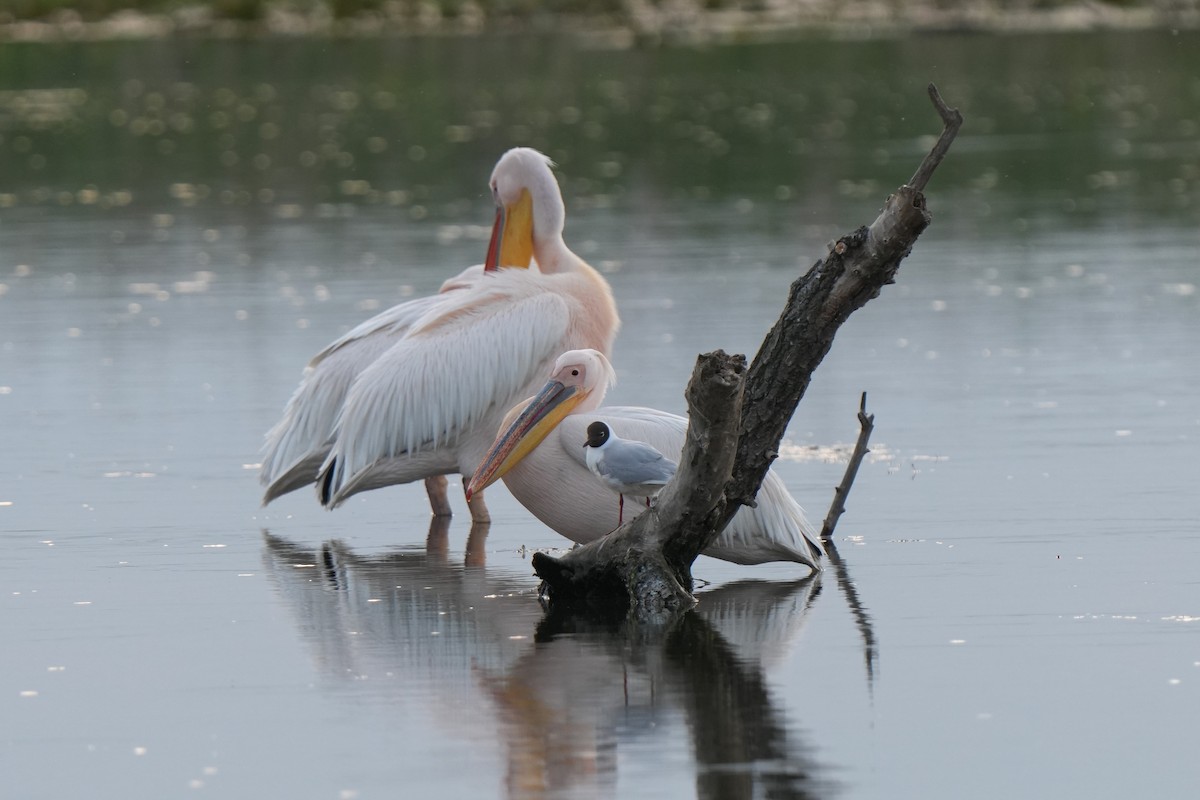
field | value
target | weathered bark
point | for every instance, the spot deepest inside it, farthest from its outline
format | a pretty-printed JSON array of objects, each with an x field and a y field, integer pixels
[{"x": 644, "y": 567}]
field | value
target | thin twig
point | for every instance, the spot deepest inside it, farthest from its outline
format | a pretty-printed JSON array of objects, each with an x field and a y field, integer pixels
[
  {"x": 951, "y": 120},
  {"x": 866, "y": 423}
]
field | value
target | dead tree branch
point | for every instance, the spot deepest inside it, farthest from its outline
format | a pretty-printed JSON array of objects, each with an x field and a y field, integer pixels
[
  {"x": 852, "y": 273},
  {"x": 644, "y": 567}
]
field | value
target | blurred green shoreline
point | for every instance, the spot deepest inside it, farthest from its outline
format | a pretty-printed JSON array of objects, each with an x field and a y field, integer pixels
[{"x": 613, "y": 23}]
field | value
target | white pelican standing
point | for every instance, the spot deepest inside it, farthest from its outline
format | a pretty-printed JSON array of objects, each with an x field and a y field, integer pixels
[
  {"x": 431, "y": 403},
  {"x": 627, "y": 467},
  {"x": 549, "y": 476}
]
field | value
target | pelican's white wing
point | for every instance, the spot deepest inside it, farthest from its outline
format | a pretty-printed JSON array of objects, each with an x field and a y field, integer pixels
[
  {"x": 460, "y": 366},
  {"x": 295, "y": 448}
]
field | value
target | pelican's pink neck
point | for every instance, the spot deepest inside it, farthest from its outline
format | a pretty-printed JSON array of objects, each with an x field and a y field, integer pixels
[
  {"x": 554, "y": 257},
  {"x": 523, "y": 168},
  {"x": 549, "y": 217}
]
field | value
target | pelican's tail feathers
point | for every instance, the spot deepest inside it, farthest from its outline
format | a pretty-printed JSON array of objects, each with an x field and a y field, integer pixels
[{"x": 776, "y": 529}]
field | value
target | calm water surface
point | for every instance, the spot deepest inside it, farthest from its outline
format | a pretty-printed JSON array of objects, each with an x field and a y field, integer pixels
[{"x": 1018, "y": 609}]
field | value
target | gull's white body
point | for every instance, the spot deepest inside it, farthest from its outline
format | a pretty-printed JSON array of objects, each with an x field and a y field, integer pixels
[
  {"x": 430, "y": 403},
  {"x": 554, "y": 483},
  {"x": 627, "y": 467}
]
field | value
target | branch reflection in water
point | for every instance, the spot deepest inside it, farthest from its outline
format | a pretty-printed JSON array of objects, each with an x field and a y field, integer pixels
[{"x": 566, "y": 694}]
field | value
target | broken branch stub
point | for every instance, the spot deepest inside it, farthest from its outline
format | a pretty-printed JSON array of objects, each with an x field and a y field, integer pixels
[{"x": 952, "y": 120}]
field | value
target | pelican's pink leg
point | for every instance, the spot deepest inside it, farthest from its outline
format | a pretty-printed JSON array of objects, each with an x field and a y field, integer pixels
[
  {"x": 435, "y": 487},
  {"x": 479, "y": 509}
]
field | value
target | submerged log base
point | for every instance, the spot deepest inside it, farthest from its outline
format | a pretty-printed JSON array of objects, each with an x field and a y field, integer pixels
[
  {"x": 644, "y": 567},
  {"x": 738, "y": 417}
]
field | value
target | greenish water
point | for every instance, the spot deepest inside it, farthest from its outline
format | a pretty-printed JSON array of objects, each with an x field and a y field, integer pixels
[
  {"x": 183, "y": 224},
  {"x": 1070, "y": 127}
]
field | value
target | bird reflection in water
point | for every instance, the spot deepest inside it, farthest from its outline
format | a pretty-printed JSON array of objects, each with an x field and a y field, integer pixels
[{"x": 567, "y": 694}]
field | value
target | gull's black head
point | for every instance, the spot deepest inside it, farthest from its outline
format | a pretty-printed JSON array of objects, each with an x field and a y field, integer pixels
[{"x": 597, "y": 435}]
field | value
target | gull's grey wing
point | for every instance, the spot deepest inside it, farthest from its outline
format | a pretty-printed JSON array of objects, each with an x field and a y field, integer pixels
[{"x": 636, "y": 462}]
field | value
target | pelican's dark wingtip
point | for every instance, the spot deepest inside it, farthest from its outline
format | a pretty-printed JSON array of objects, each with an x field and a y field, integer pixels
[{"x": 325, "y": 484}]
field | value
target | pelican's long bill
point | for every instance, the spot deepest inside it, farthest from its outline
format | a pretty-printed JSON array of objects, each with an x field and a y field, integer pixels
[
  {"x": 554, "y": 401},
  {"x": 512, "y": 234}
]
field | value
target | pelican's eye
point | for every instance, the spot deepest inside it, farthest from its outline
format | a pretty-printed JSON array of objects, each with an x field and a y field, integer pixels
[{"x": 574, "y": 372}]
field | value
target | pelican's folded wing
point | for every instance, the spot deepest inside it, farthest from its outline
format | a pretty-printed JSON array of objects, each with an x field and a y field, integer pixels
[
  {"x": 497, "y": 343},
  {"x": 303, "y": 433}
]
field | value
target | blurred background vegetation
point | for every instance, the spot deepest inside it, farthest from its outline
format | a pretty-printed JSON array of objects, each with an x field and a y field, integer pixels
[
  {"x": 477, "y": 12},
  {"x": 1073, "y": 128}
]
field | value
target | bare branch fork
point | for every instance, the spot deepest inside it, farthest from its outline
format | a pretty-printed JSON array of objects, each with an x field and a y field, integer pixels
[
  {"x": 951, "y": 122},
  {"x": 737, "y": 418}
]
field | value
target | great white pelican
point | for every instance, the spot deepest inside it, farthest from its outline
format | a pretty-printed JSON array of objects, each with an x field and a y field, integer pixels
[
  {"x": 418, "y": 391},
  {"x": 539, "y": 454}
]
